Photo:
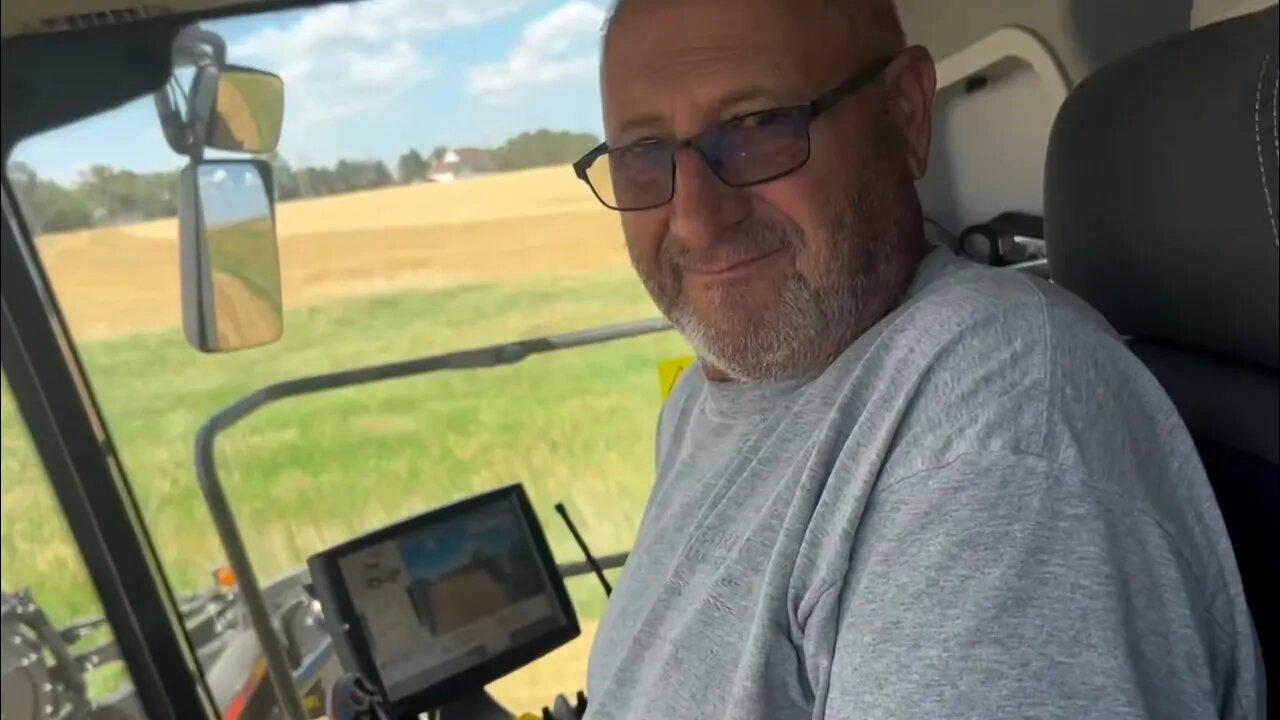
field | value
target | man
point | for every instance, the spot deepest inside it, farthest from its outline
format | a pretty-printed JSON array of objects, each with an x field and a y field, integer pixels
[{"x": 897, "y": 485}]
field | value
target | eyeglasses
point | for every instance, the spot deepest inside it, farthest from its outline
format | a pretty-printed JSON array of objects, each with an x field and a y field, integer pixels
[{"x": 747, "y": 150}]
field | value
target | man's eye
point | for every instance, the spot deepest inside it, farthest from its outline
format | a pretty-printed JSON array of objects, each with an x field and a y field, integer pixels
[
  {"x": 638, "y": 152},
  {"x": 760, "y": 119},
  {"x": 641, "y": 147}
]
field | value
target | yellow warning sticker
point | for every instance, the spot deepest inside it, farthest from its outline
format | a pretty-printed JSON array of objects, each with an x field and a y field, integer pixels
[{"x": 669, "y": 372}]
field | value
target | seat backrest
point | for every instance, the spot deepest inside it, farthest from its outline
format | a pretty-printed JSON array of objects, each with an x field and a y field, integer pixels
[
  {"x": 1204, "y": 12},
  {"x": 1004, "y": 68},
  {"x": 1161, "y": 211}
]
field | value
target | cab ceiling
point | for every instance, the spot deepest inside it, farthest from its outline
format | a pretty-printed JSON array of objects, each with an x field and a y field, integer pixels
[
  {"x": 32, "y": 17},
  {"x": 1089, "y": 31}
]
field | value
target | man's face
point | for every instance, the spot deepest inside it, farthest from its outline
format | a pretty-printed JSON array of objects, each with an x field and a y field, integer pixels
[{"x": 773, "y": 280}]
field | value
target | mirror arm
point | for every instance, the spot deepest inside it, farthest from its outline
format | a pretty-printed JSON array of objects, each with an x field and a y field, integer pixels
[
  {"x": 171, "y": 124},
  {"x": 207, "y": 52},
  {"x": 278, "y": 666},
  {"x": 197, "y": 46},
  {"x": 200, "y": 109}
]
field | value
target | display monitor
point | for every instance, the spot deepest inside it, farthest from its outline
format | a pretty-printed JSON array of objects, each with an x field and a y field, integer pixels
[{"x": 435, "y": 607}]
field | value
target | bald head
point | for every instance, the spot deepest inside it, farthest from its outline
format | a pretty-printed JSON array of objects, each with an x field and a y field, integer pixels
[
  {"x": 830, "y": 240},
  {"x": 872, "y": 26},
  {"x": 808, "y": 45}
]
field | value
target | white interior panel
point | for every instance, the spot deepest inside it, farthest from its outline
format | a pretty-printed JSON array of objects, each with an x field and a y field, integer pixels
[{"x": 989, "y": 140}]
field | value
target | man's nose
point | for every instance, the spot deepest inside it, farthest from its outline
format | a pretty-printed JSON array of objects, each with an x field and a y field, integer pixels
[{"x": 703, "y": 206}]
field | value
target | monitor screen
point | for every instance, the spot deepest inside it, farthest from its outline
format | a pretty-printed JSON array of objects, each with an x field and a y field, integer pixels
[{"x": 451, "y": 592}]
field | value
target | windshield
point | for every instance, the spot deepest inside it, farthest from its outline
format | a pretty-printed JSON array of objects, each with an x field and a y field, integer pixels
[{"x": 425, "y": 204}]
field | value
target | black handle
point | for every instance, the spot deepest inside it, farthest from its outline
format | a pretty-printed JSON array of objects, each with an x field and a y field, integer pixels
[{"x": 591, "y": 559}]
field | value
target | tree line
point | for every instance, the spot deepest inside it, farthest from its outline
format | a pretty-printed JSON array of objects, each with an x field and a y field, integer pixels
[{"x": 103, "y": 196}]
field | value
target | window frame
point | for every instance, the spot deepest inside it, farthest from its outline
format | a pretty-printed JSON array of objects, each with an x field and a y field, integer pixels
[{"x": 56, "y": 403}]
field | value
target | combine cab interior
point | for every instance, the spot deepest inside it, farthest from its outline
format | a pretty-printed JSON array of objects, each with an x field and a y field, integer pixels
[{"x": 1126, "y": 150}]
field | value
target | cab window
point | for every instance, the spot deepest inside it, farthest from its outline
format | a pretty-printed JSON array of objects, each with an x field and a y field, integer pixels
[
  {"x": 424, "y": 204},
  {"x": 59, "y": 652}
]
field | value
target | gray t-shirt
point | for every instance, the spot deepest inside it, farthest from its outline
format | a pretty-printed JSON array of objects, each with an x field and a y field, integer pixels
[{"x": 985, "y": 508}]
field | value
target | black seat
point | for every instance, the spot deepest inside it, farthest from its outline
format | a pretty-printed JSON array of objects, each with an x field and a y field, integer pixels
[{"x": 1161, "y": 211}]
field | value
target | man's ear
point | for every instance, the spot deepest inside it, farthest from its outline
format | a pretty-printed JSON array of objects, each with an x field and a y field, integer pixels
[{"x": 911, "y": 82}]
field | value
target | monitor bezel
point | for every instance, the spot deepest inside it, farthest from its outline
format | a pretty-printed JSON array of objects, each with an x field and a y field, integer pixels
[{"x": 471, "y": 681}]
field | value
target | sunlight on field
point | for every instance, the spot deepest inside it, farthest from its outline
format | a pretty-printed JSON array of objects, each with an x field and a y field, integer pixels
[
  {"x": 367, "y": 278},
  {"x": 523, "y": 194},
  {"x": 518, "y": 226}
]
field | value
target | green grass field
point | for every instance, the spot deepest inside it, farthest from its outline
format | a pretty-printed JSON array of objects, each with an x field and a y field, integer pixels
[{"x": 575, "y": 426}]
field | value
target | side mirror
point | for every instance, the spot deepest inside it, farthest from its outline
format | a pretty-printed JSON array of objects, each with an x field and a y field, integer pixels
[
  {"x": 228, "y": 107},
  {"x": 231, "y": 296},
  {"x": 248, "y": 111}
]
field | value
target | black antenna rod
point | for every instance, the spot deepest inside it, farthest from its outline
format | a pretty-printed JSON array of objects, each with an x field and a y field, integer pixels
[{"x": 591, "y": 559}]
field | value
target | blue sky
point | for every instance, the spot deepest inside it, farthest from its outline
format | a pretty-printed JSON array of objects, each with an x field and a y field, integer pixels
[
  {"x": 230, "y": 197},
  {"x": 439, "y": 551},
  {"x": 372, "y": 79}
]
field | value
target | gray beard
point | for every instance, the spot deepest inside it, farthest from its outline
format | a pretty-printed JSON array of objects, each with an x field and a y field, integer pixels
[
  {"x": 801, "y": 333},
  {"x": 804, "y": 329}
]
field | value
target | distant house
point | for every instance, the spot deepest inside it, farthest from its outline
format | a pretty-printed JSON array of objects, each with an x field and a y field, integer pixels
[
  {"x": 459, "y": 163},
  {"x": 103, "y": 217}
]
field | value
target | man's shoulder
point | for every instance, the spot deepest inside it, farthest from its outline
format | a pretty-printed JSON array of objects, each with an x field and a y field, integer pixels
[
  {"x": 983, "y": 316},
  {"x": 997, "y": 325},
  {"x": 981, "y": 358},
  {"x": 999, "y": 359},
  {"x": 985, "y": 304}
]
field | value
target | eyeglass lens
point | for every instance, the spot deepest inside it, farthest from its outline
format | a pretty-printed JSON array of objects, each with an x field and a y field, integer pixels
[{"x": 745, "y": 151}]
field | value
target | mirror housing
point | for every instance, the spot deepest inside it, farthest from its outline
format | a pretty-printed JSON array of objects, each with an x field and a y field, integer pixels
[
  {"x": 231, "y": 296},
  {"x": 233, "y": 108},
  {"x": 248, "y": 111}
]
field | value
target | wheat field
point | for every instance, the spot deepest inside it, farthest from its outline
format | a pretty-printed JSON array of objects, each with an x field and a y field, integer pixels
[
  {"x": 366, "y": 278},
  {"x": 532, "y": 225}
]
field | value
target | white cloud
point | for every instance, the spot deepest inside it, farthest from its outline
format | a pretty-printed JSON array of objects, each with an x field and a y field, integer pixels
[
  {"x": 218, "y": 176},
  {"x": 562, "y": 45},
  {"x": 350, "y": 80},
  {"x": 345, "y": 58},
  {"x": 372, "y": 23}
]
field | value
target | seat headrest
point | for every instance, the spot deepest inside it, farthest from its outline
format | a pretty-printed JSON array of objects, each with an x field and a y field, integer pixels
[
  {"x": 1161, "y": 191},
  {"x": 1204, "y": 12}
]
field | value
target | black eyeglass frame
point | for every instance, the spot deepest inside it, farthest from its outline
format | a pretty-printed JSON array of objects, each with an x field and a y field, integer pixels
[{"x": 807, "y": 113}]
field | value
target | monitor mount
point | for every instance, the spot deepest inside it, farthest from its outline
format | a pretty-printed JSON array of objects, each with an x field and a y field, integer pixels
[{"x": 354, "y": 698}]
